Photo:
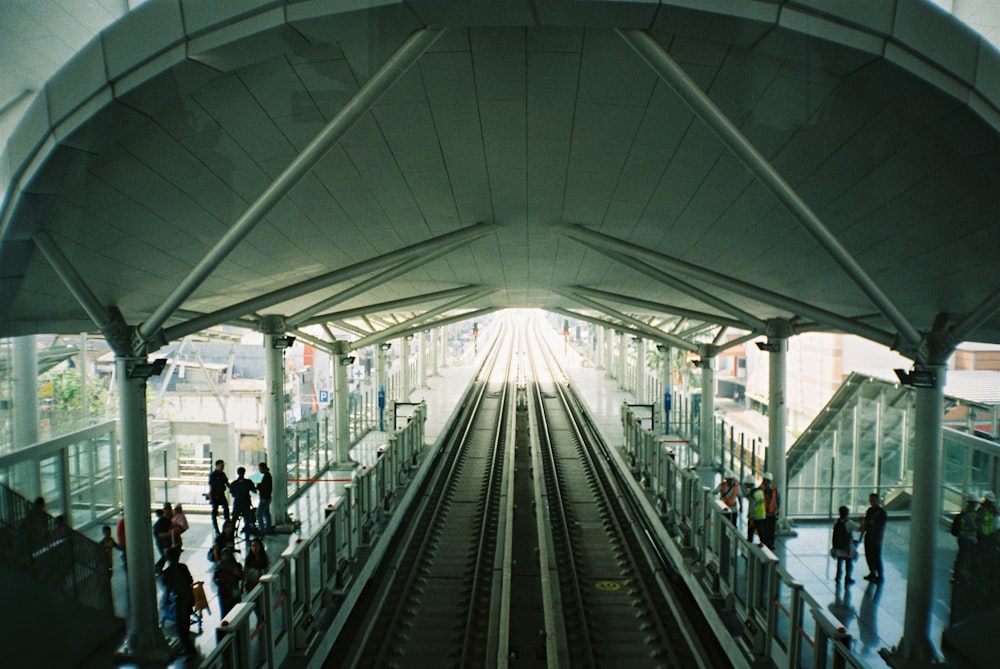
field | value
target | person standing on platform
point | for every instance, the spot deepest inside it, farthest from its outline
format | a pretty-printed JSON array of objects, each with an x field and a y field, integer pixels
[
  {"x": 228, "y": 579},
  {"x": 109, "y": 545},
  {"x": 178, "y": 582},
  {"x": 728, "y": 491},
  {"x": 265, "y": 488},
  {"x": 163, "y": 532},
  {"x": 180, "y": 520},
  {"x": 844, "y": 547},
  {"x": 120, "y": 534},
  {"x": 750, "y": 490},
  {"x": 240, "y": 489},
  {"x": 256, "y": 564},
  {"x": 873, "y": 530},
  {"x": 986, "y": 519},
  {"x": 772, "y": 504},
  {"x": 964, "y": 527},
  {"x": 218, "y": 483}
]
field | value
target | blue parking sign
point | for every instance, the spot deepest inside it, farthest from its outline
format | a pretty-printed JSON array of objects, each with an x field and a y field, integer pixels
[{"x": 324, "y": 396}]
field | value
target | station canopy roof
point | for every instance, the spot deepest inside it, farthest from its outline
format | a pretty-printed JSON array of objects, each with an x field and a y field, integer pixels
[{"x": 669, "y": 168}]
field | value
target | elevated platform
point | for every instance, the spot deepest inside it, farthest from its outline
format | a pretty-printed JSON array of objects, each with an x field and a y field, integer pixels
[{"x": 872, "y": 614}]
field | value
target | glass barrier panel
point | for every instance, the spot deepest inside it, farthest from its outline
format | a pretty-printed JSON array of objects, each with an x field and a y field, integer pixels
[
  {"x": 761, "y": 594},
  {"x": 258, "y": 634},
  {"x": 315, "y": 570},
  {"x": 783, "y": 615},
  {"x": 807, "y": 649},
  {"x": 741, "y": 580},
  {"x": 279, "y": 612},
  {"x": 223, "y": 656},
  {"x": 50, "y": 473}
]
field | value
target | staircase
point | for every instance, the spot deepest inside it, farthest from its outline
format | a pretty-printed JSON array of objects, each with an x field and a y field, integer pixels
[{"x": 57, "y": 587}]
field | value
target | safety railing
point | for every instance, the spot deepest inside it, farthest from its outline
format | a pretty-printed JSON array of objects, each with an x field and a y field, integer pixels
[
  {"x": 780, "y": 622},
  {"x": 76, "y": 473},
  {"x": 36, "y": 545},
  {"x": 310, "y": 583}
]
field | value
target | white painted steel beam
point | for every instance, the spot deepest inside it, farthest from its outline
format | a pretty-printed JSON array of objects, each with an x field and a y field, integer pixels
[
  {"x": 360, "y": 268},
  {"x": 408, "y": 265},
  {"x": 391, "y": 305},
  {"x": 702, "y": 105},
  {"x": 660, "y": 308},
  {"x": 362, "y": 102},
  {"x": 604, "y": 243},
  {"x": 382, "y": 336}
]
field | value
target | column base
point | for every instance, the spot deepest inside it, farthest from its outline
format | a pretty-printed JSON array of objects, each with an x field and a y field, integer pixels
[
  {"x": 159, "y": 654},
  {"x": 924, "y": 657},
  {"x": 784, "y": 528}
]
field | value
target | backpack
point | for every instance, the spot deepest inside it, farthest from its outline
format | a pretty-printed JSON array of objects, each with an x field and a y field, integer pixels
[{"x": 956, "y": 524}]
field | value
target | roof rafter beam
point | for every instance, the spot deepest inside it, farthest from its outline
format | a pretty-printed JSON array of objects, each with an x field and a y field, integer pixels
[
  {"x": 604, "y": 243},
  {"x": 976, "y": 317},
  {"x": 402, "y": 331},
  {"x": 321, "y": 344},
  {"x": 388, "y": 74},
  {"x": 637, "y": 325},
  {"x": 750, "y": 322},
  {"x": 704, "y": 108},
  {"x": 416, "y": 321},
  {"x": 391, "y": 305},
  {"x": 353, "y": 329},
  {"x": 307, "y": 286},
  {"x": 408, "y": 265},
  {"x": 661, "y": 308},
  {"x": 108, "y": 321},
  {"x": 634, "y": 328}
]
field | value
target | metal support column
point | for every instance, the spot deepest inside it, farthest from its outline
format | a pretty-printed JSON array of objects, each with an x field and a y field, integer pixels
[
  {"x": 444, "y": 345},
  {"x": 342, "y": 416},
  {"x": 274, "y": 417},
  {"x": 435, "y": 352},
  {"x": 144, "y": 641},
  {"x": 381, "y": 382},
  {"x": 706, "y": 436},
  {"x": 422, "y": 360},
  {"x": 622, "y": 360},
  {"x": 640, "y": 376},
  {"x": 666, "y": 380},
  {"x": 25, "y": 414},
  {"x": 916, "y": 647},
  {"x": 404, "y": 370},
  {"x": 777, "y": 415},
  {"x": 600, "y": 350}
]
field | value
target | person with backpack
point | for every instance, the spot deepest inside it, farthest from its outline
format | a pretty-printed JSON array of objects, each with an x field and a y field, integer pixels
[{"x": 844, "y": 547}]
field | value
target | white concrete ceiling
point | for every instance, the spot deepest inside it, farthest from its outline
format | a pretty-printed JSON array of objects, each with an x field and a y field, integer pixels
[{"x": 538, "y": 119}]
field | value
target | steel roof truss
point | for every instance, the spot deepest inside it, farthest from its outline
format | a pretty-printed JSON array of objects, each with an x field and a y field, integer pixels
[
  {"x": 702, "y": 105},
  {"x": 360, "y": 104}
]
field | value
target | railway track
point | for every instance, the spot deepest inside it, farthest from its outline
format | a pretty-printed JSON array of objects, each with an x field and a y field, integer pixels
[{"x": 523, "y": 550}]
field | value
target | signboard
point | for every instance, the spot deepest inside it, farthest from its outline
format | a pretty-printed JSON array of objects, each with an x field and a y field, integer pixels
[{"x": 324, "y": 396}]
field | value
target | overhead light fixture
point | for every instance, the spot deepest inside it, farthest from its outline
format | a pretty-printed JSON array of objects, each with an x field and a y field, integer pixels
[
  {"x": 283, "y": 342},
  {"x": 346, "y": 360},
  {"x": 385, "y": 346},
  {"x": 768, "y": 346},
  {"x": 409, "y": 337},
  {"x": 698, "y": 363},
  {"x": 918, "y": 377},
  {"x": 661, "y": 347},
  {"x": 144, "y": 370}
]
